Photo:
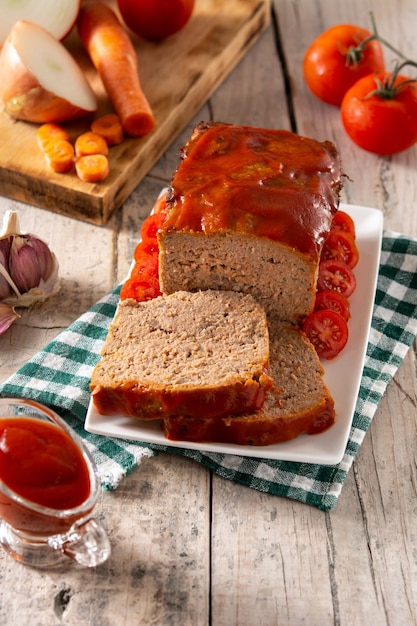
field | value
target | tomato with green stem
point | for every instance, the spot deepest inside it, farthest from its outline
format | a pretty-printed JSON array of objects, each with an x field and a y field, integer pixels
[
  {"x": 338, "y": 58},
  {"x": 379, "y": 112}
]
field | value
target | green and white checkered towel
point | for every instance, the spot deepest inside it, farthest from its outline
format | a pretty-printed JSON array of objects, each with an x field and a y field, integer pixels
[{"x": 59, "y": 376}]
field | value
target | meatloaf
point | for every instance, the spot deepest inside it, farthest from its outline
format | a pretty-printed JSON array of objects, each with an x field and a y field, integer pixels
[
  {"x": 298, "y": 403},
  {"x": 199, "y": 354},
  {"x": 249, "y": 210}
]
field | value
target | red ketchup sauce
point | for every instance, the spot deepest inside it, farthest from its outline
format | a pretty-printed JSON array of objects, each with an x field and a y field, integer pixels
[
  {"x": 41, "y": 463},
  {"x": 270, "y": 183}
]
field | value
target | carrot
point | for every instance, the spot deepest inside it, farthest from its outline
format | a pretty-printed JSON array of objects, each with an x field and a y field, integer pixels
[
  {"x": 90, "y": 143},
  {"x": 92, "y": 168},
  {"x": 114, "y": 57},
  {"x": 110, "y": 128},
  {"x": 59, "y": 155},
  {"x": 50, "y": 132}
]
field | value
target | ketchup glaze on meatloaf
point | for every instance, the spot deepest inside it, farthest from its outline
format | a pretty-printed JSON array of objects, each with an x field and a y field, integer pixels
[
  {"x": 249, "y": 210},
  {"x": 269, "y": 183}
]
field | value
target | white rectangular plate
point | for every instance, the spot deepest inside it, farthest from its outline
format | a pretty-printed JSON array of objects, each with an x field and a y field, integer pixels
[{"x": 342, "y": 375}]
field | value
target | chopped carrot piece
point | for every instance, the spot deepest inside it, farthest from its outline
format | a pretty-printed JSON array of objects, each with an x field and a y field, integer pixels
[
  {"x": 50, "y": 132},
  {"x": 114, "y": 57},
  {"x": 59, "y": 155},
  {"x": 90, "y": 143},
  {"x": 110, "y": 128},
  {"x": 92, "y": 168}
]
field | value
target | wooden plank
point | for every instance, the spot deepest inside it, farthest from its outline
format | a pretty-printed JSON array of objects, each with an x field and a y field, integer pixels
[{"x": 177, "y": 74}]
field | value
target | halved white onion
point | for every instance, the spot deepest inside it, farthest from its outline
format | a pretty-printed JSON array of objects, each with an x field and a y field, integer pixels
[
  {"x": 56, "y": 16},
  {"x": 39, "y": 79}
]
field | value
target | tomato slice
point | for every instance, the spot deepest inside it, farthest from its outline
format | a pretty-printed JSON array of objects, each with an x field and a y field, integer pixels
[
  {"x": 327, "y": 331},
  {"x": 337, "y": 276},
  {"x": 146, "y": 268},
  {"x": 151, "y": 225},
  {"x": 343, "y": 221},
  {"x": 340, "y": 246},
  {"x": 145, "y": 248},
  {"x": 140, "y": 290},
  {"x": 330, "y": 299}
]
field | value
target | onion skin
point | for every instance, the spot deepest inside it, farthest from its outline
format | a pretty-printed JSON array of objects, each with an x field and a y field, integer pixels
[
  {"x": 7, "y": 316},
  {"x": 39, "y": 106},
  {"x": 22, "y": 95},
  {"x": 58, "y": 16}
]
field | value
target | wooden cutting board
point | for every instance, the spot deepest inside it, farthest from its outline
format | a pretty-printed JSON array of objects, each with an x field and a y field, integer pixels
[{"x": 178, "y": 75}]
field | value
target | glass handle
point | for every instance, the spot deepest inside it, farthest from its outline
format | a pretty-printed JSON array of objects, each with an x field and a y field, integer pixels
[{"x": 86, "y": 543}]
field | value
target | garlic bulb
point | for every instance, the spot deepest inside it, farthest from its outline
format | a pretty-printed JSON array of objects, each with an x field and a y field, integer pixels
[{"x": 28, "y": 268}]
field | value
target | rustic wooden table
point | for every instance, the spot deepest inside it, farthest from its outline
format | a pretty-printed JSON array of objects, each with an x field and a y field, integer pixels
[{"x": 190, "y": 548}]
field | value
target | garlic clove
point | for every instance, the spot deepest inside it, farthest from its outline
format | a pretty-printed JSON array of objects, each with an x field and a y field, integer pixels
[
  {"x": 5, "y": 288},
  {"x": 30, "y": 261},
  {"x": 10, "y": 224},
  {"x": 7, "y": 316}
]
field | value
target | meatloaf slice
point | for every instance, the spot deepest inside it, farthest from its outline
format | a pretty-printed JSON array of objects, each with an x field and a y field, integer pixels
[
  {"x": 299, "y": 402},
  {"x": 202, "y": 354},
  {"x": 249, "y": 210}
]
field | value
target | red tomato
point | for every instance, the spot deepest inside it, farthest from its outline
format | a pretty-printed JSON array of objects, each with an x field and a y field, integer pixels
[
  {"x": 127, "y": 290},
  {"x": 140, "y": 290},
  {"x": 327, "y": 331},
  {"x": 145, "y": 267},
  {"x": 335, "y": 61},
  {"x": 379, "y": 116},
  {"x": 151, "y": 225},
  {"x": 145, "y": 248},
  {"x": 343, "y": 221},
  {"x": 330, "y": 299},
  {"x": 340, "y": 246},
  {"x": 337, "y": 276},
  {"x": 155, "y": 19}
]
